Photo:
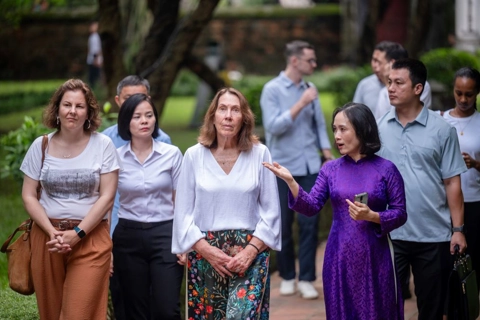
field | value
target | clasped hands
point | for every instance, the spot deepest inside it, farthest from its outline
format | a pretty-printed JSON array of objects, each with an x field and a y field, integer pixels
[
  {"x": 226, "y": 265},
  {"x": 62, "y": 241}
]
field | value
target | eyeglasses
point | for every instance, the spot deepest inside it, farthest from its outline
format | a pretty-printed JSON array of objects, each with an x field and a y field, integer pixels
[{"x": 310, "y": 61}]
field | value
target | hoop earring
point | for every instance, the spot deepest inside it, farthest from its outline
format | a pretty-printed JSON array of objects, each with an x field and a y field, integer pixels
[
  {"x": 58, "y": 120},
  {"x": 88, "y": 127}
]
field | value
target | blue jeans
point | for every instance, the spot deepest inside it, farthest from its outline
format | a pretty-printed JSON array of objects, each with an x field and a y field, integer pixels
[{"x": 308, "y": 235}]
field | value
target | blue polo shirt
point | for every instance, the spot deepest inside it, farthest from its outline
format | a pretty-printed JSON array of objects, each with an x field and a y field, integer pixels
[
  {"x": 293, "y": 143},
  {"x": 425, "y": 151},
  {"x": 112, "y": 132}
]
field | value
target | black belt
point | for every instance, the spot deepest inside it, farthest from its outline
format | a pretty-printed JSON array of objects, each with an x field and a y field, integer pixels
[{"x": 141, "y": 225}]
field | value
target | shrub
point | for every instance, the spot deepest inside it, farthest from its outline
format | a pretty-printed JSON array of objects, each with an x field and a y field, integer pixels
[
  {"x": 16, "y": 144},
  {"x": 442, "y": 64},
  {"x": 342, "y": 82},
  {"x": 186, "y": 84}
]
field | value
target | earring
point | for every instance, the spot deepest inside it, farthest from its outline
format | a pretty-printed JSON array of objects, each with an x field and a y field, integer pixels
[
  {"x": 58, "y": 120},
  {"x": 88, "y": 127}
]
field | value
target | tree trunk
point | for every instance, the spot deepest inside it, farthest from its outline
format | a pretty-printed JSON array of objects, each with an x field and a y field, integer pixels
[
  {"x": 418, "y": 28},
  {"x": 165, "y": 20},
  {"x": 109, "y": 30},
  {"x": 204, "y": 72},
  {"x": 369, "y": 35},
  {"x": 163, "y": 71}
]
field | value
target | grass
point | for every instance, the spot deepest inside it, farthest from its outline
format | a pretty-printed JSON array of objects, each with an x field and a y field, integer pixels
[{"x": 175, "y": 120}]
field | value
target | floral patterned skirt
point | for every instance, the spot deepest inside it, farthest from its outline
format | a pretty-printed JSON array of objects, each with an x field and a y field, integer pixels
[{"x": 241, "y": 297}]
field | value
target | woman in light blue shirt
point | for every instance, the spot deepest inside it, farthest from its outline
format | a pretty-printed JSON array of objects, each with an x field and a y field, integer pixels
[{"x": 148, "y": 273}]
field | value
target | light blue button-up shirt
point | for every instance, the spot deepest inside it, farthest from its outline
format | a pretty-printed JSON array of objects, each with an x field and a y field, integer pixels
[
  {"x": 294, "y": 144},
  {"x": 425, "y": 151},
  {"x": 112, "y": 132}
]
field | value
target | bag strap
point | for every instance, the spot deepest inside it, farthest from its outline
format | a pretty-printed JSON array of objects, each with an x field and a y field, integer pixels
[
  {"x": 24, "y": 226},
  {"x": 44, "y": 147}
]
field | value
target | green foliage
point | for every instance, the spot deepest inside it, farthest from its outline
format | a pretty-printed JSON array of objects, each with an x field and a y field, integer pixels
[
  {"x": 442, "y": 64},
  {"x": 16, "y": 144},
  {"x": 343, "y": 81},
  {"x": 186, "y": 84},
  {"x": 11, "y": 11},
  {"x": 251, "y": 87}
]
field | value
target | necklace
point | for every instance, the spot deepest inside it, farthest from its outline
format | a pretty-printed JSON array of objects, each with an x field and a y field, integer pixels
[
  {"x": 66, "y": 155},
  {"x": 466, "y": 125}
]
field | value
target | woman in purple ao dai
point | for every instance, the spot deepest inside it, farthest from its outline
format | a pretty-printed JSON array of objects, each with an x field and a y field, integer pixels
[{"x": 359, "y": 275}]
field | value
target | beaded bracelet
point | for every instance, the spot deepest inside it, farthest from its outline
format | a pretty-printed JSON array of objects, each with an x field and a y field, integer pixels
[{"x": 251, "y": 244}]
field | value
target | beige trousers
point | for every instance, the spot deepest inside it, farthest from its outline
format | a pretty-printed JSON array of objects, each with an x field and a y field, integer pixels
[{"x": 74, "y": 285}]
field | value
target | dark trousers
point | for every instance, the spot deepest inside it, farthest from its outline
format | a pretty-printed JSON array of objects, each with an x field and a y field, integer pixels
[
  {"x": 308, "y": 235},
  {"x": 93, "y": 75},
  {"x": 431, "y": 265},
  {"x": 149, "y": 275},
  {"x": 472, "y": 234}
]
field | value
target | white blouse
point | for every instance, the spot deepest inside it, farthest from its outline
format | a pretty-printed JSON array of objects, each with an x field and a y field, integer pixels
[
  {"x": 208, "y": 199},
  {"x": 146, "y": 188}
]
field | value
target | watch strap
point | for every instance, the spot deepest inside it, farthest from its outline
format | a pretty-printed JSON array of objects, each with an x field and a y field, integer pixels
[
  {"x": 458, "y": 229},
  {"x": 80, "y": 232}
]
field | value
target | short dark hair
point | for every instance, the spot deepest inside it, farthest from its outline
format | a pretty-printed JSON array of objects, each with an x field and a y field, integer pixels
[
  {"x": 132, "y": 80},
  {"x": 126, "y": 113},
  {"x": 470, "y": 73},
  {"x": 295, "y": 48},
  {"x": 416, "y": 68},
  {"x": 393, "y": 50},
  {"x": 50, "y": 113},
  {"x": 364, "y": 124},
  {"x": 208, "y": 133}
]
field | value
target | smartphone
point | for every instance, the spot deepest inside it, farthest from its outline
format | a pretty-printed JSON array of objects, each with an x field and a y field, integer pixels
[{"x": 362, "y": 197}]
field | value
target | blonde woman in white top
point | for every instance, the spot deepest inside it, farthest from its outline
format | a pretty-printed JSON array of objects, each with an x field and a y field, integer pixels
[{"x": 227, "y": 215}]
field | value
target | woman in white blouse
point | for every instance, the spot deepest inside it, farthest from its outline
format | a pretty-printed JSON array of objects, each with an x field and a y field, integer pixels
[
  {"x": 149, "y": 275},
  {"x": 227, "y": 215}
]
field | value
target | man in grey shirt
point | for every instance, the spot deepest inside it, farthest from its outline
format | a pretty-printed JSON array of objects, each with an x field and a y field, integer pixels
[
  {"x": 425, "y": 150},
  {"x": 295, "y": 132}
]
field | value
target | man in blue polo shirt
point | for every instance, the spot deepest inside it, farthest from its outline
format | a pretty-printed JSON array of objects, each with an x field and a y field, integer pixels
[
  {"x": 425, "y": 150},
  {"x": 130, "y": 85},
  {"x": 295, "y": 132}
]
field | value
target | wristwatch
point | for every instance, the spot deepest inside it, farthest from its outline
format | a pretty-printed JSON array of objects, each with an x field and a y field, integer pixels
[
  {"x": 79, "y": 232},
  {"x": 458, "y": 229}
]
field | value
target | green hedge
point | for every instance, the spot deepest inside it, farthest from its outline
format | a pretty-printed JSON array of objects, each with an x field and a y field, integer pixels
[{"x": 442, "y": 64}]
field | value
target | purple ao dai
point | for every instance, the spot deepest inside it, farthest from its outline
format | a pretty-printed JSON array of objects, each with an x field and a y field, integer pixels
[{"x": 358, "y": 273}]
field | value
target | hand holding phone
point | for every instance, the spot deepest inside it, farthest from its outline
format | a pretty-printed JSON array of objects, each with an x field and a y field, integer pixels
[{"x": 362, "y": 197}]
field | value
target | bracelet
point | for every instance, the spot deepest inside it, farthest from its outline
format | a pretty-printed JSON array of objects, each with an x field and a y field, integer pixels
[{"x": 251, "y": 244}]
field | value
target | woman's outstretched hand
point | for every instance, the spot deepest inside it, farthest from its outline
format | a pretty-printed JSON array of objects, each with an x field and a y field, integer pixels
[
  {"x": 279, "y": 171},
  {"x": 283, "y": 174}
]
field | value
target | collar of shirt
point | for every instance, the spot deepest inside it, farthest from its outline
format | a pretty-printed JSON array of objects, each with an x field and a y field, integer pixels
[
  {"x": 157, "y": 148},
  {"x": 421, "y": 118},
  {"x": 287, "y": 82}
]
